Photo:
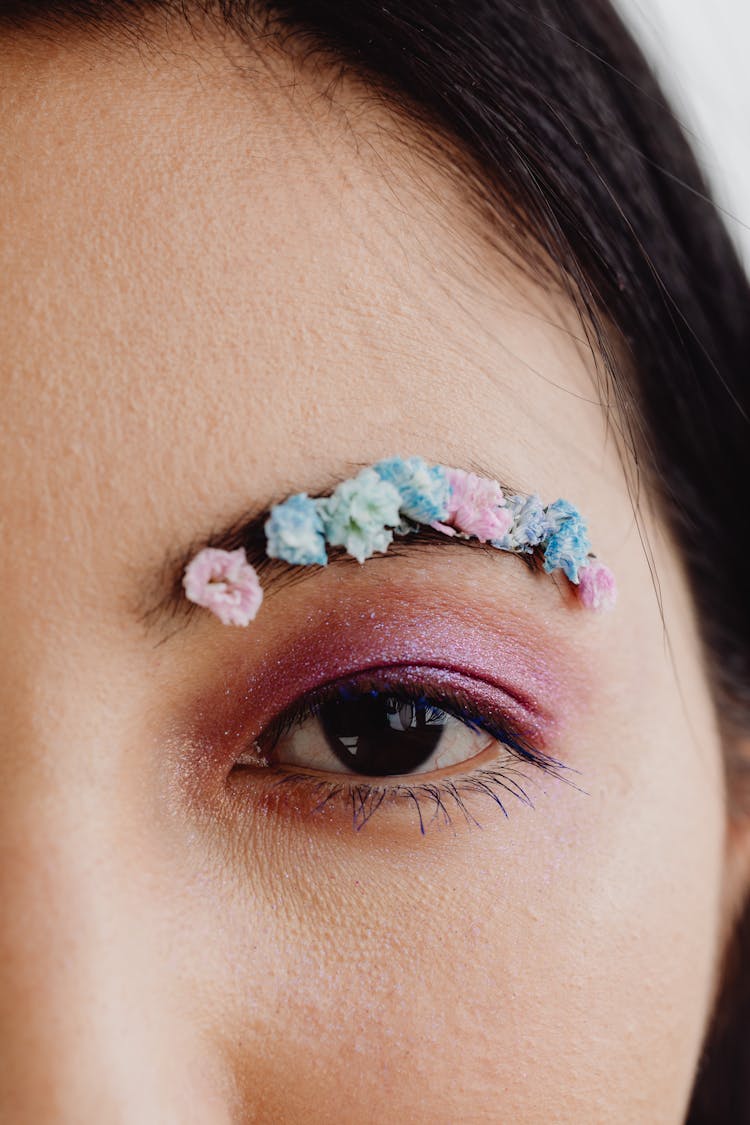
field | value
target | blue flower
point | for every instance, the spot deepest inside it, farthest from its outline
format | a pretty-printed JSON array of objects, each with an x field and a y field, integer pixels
[
  {"x": 359, "y": 514},
  {"x": 423, "y": 488},
  {"x": 294, "y": 532},
  {"x": 568, "y": 546},
  {"x": 559, "y": 511},
  {"x": 529, "y": 527}
]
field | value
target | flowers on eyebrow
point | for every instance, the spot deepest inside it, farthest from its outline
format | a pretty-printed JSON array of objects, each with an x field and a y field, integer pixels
[
  {"x": 477, "y": 506},
  {"x": 294, "y": 532},
  {"x": 396, "y": 496},
  {"x": 424, "y": 489},
  {"x": 596, "y": 586},
  {"x": 225, "y": 583},
  {"x": 568, "y": 546},
  {"x": 529, "y": 526},
  {"x": 360, "y": 514}
]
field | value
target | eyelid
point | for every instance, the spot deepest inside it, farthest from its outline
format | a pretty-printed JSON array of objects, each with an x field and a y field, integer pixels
[
  {"x": 543, "y": 673},
  {"x": 453, "y": 690},
  {"x": 448, "y": 692},
  {"x": 495, "y": 772},
  {"x": 525, "y": 677}
]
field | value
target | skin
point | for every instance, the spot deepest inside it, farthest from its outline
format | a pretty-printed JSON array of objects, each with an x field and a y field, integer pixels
[{"x": 219, "y": 288}]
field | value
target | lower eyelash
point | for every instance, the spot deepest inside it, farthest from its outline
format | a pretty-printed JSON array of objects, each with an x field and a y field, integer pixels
[{"x": 444, "y": 798}]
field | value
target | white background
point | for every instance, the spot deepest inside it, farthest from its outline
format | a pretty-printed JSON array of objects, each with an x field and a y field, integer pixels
[{"x": 701, "y": 51}]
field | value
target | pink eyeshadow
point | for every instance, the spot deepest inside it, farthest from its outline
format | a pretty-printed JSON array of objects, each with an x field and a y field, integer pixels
[{"x": 489, "y": 655}]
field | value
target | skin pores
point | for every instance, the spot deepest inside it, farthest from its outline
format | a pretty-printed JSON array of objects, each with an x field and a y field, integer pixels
[{"x": 226, "y": 298}]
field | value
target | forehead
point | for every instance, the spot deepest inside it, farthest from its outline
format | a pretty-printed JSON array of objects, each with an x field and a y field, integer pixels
[{"x": 220, "y": 284}]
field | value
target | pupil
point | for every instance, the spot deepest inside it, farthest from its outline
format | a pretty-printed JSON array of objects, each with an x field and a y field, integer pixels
[{"x": 378, "y": 734}]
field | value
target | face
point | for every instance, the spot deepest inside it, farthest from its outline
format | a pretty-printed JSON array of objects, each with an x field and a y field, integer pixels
[{"x": 220, "y": 288}]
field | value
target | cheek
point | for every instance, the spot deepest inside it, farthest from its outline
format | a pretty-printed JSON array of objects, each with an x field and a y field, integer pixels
[
  {"x": 553, "y": 966},
  {"x": 610, "y": 961}
]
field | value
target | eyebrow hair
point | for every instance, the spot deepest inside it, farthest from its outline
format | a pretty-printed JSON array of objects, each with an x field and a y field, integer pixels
[{"x": 163, "y": 602}]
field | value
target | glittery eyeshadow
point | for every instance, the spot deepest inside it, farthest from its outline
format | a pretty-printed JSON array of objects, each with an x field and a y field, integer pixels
[{"x": 497, "y": 659}]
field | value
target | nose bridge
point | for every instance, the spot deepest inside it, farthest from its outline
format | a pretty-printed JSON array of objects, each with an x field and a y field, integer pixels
[
  {"x": 88, "y": 1029},
  {"x": 69, "y": 948}
]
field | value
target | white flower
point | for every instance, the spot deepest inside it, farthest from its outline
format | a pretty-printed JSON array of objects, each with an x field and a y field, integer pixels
[{"x": 359, "y": 513}]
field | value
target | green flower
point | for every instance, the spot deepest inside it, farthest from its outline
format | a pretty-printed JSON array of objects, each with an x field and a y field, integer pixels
[{"x": 360, "y": 513}]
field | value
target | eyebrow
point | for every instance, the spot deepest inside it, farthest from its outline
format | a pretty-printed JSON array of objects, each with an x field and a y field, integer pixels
[{"x": 163, "y": 604}]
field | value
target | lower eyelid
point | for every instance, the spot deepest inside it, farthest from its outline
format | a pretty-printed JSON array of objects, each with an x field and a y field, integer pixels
[{"x": 495, "y": 784}]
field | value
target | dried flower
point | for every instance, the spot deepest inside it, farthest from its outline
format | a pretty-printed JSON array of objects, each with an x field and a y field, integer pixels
[
  {"x": 360, "y": 513},
  {"x": 529, "y": 525},
  {"x": 225, "y": 583},
  {"x": 423, "y": 488},
  {"x": 597, "y": 588},
  {"x": 476, "y": 506},
  {"x": 294, "y": 532}
]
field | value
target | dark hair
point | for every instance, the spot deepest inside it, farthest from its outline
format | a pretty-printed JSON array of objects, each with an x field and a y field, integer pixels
[{"x": 555, "y": 122}]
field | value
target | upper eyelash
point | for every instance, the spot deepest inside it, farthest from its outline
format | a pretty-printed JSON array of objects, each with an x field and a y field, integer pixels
[
  {"x": 310, "y": 705},
  {"x": 365, "y": 799}
]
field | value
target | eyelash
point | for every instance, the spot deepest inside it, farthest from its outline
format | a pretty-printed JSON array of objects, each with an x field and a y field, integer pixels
[{"x": 443, "y": 796}]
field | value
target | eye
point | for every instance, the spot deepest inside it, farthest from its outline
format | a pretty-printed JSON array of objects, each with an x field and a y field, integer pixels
[
  {"x": 423, "y": 735},
  {"x": 377, "y": 734}
]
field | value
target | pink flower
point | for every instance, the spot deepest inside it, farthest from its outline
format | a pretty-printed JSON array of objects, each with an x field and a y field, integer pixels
[
  {"x": 476, "y": 506},
  {"x": 438, "y": 526},
  {"x": 596, "y": 586},
  {"x": 225, "y": 583}
]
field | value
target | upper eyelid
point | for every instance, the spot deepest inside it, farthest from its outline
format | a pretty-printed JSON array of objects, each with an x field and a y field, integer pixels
[
  {"x": 411, "y": 669},
  {"x": 499, "y": 724},
  {"x": 466, "y": 629},
  {"x": 331, "y": 692}
]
